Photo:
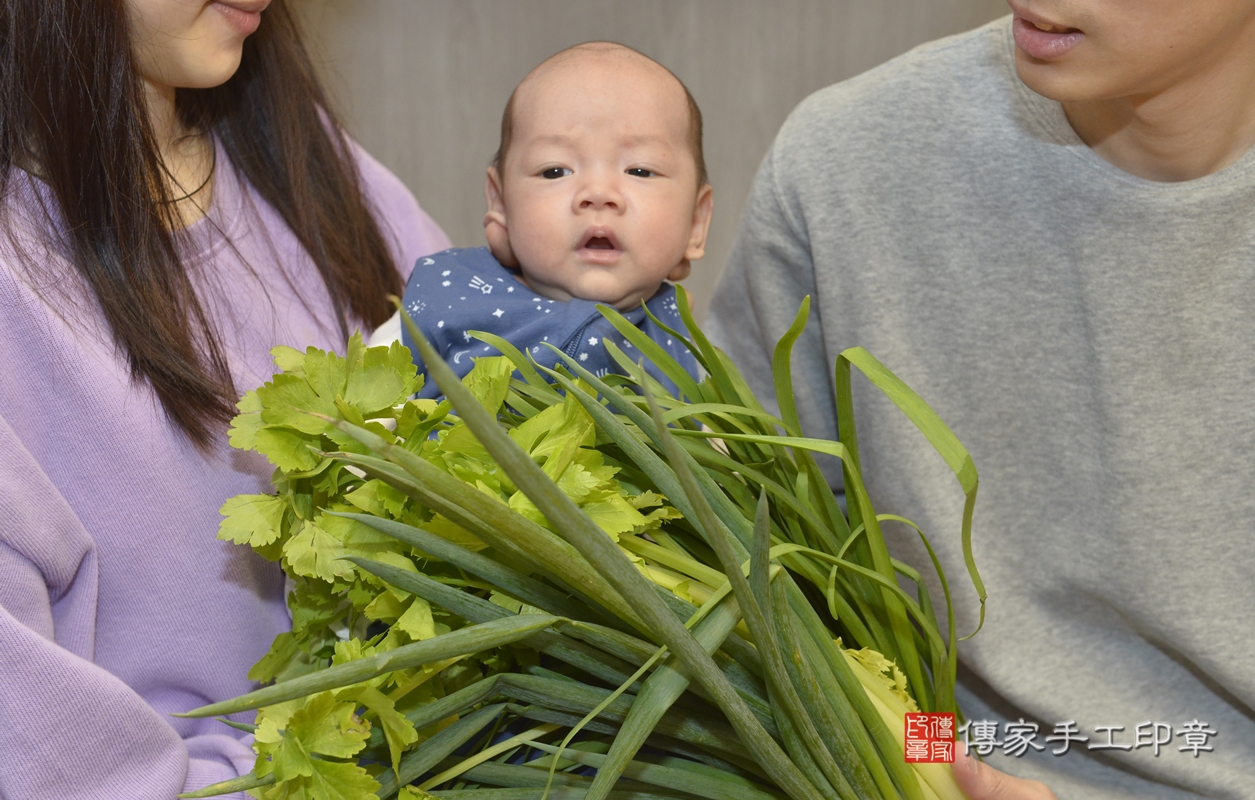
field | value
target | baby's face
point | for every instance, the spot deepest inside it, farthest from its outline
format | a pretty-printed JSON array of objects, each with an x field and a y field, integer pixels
[{"x": 598, "y": 196}]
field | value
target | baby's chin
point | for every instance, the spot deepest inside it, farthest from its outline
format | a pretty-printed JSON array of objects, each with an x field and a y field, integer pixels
[{"x": 618, "y": 300}]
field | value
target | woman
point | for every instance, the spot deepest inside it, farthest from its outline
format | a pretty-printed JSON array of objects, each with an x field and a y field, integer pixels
[
  {"x": 177, "y": 199},
  {"x": 1047, "y": 228}
]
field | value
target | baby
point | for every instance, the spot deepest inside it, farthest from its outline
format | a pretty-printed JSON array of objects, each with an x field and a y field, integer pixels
[{"x": 597, "y": 194}]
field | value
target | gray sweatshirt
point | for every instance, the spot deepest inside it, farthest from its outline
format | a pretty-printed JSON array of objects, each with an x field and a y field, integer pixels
[{"x": 1090, "y": 337}]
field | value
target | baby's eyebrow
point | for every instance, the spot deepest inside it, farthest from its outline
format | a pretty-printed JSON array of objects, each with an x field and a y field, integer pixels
[
  {"x": 644, "y": 139},
  {"x": 626, "y": 141},
  {"x": 554, "y": 138}
]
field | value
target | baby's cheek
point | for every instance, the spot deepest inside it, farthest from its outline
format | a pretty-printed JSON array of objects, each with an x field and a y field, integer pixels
[{"x": 535, "y": 260}]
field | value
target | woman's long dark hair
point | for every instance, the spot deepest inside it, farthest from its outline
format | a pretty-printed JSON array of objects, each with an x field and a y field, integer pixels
[{"x": 72, "y": 106}]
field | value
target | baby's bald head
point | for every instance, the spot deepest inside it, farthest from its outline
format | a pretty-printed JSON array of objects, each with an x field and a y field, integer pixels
[{"x": 610, "y": 56}]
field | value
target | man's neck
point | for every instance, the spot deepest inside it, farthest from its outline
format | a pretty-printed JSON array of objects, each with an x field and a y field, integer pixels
[{"x": 1197, "y": 125}]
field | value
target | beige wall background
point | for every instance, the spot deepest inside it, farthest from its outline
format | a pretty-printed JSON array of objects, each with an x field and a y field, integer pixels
[{"x": 422, "y": 83}]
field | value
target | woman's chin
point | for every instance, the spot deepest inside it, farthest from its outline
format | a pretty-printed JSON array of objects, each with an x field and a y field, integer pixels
[{"x": 213, "y": 69}]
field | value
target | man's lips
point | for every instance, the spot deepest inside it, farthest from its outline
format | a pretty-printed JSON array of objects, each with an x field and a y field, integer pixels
[
  {"x": 1049, "y": 27},
  {"x": 1044, "y": 40}
]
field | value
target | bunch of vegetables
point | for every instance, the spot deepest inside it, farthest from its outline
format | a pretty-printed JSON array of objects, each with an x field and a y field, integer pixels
[{"x": 555, "y": 584}]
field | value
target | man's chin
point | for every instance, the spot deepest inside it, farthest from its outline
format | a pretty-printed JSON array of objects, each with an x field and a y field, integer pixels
[{"x": 1063, "y": 83}]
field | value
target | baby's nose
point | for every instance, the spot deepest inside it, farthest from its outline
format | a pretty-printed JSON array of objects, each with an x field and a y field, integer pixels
[
  {"x": 599, "y": 201},
  {"x": 600, "y": 193}
]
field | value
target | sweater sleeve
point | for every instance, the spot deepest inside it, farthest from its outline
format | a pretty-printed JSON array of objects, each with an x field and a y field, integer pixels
[{"x": 69, "y": 728}]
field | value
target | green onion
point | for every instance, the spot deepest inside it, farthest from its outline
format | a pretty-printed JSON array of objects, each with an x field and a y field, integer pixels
[{"x": 554, "y": 571}]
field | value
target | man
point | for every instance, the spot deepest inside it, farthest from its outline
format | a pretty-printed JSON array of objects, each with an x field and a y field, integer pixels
[{"x": 1047, "y": 228}]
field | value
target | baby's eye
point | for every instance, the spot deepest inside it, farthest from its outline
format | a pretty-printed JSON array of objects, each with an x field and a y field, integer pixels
[
  {"x": 555, "y": 172},
  {"x": 640, "y": 172}
]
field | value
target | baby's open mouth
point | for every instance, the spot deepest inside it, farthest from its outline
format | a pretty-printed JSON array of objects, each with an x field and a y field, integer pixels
[
  {"x": 600, "y": 246},
  {"x": 598, "y": 237}
]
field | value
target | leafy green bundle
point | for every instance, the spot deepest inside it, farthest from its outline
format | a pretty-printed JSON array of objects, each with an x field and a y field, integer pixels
[{"x": 547, "y": 575}]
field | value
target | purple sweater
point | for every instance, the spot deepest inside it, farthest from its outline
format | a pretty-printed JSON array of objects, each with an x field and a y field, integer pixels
[{"x": 118, "y": 605}]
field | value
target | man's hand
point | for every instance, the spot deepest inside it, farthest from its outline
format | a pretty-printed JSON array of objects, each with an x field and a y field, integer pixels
[{"x": 982, "y": 782}]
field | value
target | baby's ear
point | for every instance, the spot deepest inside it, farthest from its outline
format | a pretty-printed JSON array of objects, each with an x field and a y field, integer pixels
[
  {"x": 495, "y": 228},
  {"x": 701, "y": 226}
]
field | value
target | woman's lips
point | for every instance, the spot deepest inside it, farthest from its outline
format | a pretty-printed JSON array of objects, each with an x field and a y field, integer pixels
[
  {"x": 1044, "y": 45},
  {"x": 242, "y": 17}
]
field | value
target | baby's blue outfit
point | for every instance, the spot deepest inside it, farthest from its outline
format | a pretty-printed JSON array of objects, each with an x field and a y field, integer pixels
[{"x": 457, "y": 291}]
